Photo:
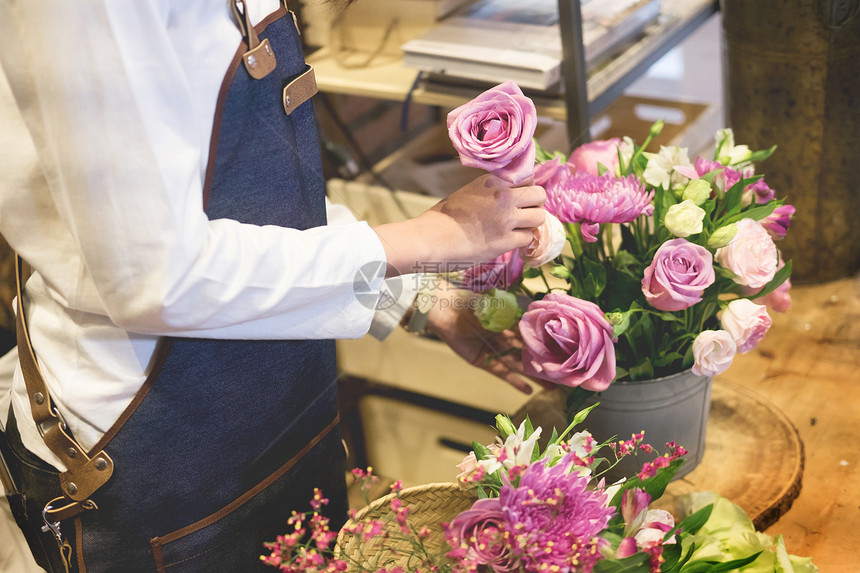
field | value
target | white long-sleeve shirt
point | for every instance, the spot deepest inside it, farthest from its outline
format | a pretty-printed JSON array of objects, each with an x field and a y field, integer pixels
[{"x": 101, "y": 192}]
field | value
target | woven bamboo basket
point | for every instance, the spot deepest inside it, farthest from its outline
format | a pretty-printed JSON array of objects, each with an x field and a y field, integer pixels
[{"x": 429, "y": 505}]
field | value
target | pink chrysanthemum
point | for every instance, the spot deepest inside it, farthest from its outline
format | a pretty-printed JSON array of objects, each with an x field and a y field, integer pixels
[
  {"x": 553, "y": 519},
  {"x": 592, "y": 200}
]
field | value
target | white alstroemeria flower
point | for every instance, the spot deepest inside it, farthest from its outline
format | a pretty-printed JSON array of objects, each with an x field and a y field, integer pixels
[
  {"x": 518, "y": 450},
  {"x": 727, "y": 152},
  {"x": 660, "y": 169}
]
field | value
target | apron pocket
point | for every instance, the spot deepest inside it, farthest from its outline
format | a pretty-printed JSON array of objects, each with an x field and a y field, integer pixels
[{"x": 232, "y": 538}]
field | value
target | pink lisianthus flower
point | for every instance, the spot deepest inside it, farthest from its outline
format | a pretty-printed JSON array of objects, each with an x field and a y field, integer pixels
[
  {"x": 678, "y": 275},
  {"x": 592, "y": 200},
  {"x": 584, "y": 159},
  {"x": 780, "y": 299},
  {"x": 751, "y": 256},
  {"x": 494, "y": 132},
  {"x": 777, "y": 223},
  {"x": 759, "y": 190},
  {"x": 747, "y": 322},
  {"x": 713, "y": 352},
  {"x": 500, "y": 273},
  {"x": 568, "y": 341}
]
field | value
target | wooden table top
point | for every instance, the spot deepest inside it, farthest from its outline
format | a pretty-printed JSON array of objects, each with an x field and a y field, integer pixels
[{"x": 807, "y": 366}]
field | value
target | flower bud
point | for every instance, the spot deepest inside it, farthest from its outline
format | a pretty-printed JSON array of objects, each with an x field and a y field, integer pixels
[
  {"x": 698, "y": 191},
  {"x": 497, "y": 310},
  {"x": 684, "y": 219},
  {"x": 656, "y": 128},
  {"x": 722, "y": 236}
]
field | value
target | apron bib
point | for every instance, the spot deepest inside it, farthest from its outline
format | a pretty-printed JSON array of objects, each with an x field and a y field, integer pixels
[{"x": 226, "y": 438}]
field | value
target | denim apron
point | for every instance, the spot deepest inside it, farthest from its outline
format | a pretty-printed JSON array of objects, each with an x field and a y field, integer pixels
[{"x": 226, "y": 438}]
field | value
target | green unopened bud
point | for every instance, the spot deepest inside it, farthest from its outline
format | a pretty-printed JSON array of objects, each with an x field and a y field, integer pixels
[
  {"x": 722, "y": 236},
  {"x": 656, "y": 128},
  {"x": 615, "y": 317},
  {"x": 560, "y": 272},
  {"x": 620, "y": 321},
  {"x": 505, "y": 426},
  {"x": 697, "y": 191},
  {"x": 497, "y": 310}
]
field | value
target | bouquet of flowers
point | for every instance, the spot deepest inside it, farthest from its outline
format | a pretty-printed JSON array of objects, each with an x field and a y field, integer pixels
[
  {"x": 539, "y": 511},
  {"x": 647, "y": 264}
]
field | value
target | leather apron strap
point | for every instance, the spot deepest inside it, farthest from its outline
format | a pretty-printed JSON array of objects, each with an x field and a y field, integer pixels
[{"x": 84, "y": 474}]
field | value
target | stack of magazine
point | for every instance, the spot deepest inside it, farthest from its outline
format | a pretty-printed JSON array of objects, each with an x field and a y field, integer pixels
[{"x": 498, "y": 40}]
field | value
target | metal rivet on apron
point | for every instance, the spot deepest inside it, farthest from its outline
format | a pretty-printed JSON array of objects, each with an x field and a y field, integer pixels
[
  {"x": 39, "y": 398},
  {"x": 268, "y": 49},
  {"x": 101, "y": 464},
  {"x": 252, "y": 61},
  {"x": 73, "y": 489},
  {"x": 72, "y": 452},
  {"x": 287, "y": 99}
]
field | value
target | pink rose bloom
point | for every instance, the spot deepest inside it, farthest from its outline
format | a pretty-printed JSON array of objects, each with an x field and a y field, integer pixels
[
  {"x": 568, "y": 341},
  {"x": 678, "y": 275},
  {"x": 494, "y": 132},
  {"x": 501, "y": 273},
  {"x": 777, "y": 223},
  {"x": 586, "y": 157},
  {"x": 477, "y": 535},
  {"x": 713, "y": 351},
  {"x": 751, "y": 256},
  {"x": 548, "y": 242},
  {"x": 747, "y": 322}
]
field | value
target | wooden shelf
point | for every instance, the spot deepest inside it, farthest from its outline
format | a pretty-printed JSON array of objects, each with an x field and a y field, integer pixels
[{"x": 385, "y": 76}]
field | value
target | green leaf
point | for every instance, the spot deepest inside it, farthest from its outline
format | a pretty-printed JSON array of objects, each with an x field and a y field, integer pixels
[
  {"x": 733, "y": 565},
  {"x": 780, "y": 277},
  {"x": 762, "y": 154},
  {"x": 654, "y": 486},
  {"x": 693, "y": 522},
  {"x": 636, "y": 563},
  {"x": 530, "y": 273},
  {"x": 733, "y": 195},
  {"x": 596, "y": 274},
  {"x": 528, "y": 428},
  {"x": 666, "y": 359},
  {"x": 757, "y": 213},
  {"x": 542, "y": 154},
  {"x": 482, "y": 452},
  {"x": 620, "y": 322},
  {"x": 642, "y": 371}
]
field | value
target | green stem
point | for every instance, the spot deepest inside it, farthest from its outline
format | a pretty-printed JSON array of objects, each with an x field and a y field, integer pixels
[{"x": 543, "y": 277}]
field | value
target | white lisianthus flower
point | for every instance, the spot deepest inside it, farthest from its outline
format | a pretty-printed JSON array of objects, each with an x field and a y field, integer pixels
[
  {"x": 713, "y": 352},
  {"x": 684, "y": 219},
  {"x": 547, "y": 243},
  {"x": 660, "y": 169},
  {"x": 698, "y": 191}
]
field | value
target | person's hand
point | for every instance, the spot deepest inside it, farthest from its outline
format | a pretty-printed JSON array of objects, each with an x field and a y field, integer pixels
[
  {"x": 453, "y": 321},
  {"x": 476, "y": 223}
]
